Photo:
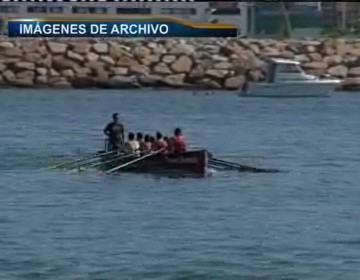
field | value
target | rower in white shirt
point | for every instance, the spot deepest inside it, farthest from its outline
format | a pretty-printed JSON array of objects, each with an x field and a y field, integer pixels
[{"x": 132, "y": 146}]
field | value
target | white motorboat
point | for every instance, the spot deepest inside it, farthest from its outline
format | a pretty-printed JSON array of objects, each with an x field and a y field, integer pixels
[{"x": 286, "y": 78}]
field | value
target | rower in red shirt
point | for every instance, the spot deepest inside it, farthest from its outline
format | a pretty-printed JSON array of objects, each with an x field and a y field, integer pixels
[
  {"x": 160, "y": 143},
  {"x": 179, "y": 141}
]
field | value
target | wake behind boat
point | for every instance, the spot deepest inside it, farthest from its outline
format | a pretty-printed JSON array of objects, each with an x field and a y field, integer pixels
[{"x": 285, "y": 78}]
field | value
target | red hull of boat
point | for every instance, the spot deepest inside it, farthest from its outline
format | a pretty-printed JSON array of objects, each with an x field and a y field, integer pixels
[{"x": 192, "y": 162}]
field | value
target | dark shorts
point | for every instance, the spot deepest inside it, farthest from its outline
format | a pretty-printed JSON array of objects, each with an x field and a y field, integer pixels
[{"x": 114, "y": 144}]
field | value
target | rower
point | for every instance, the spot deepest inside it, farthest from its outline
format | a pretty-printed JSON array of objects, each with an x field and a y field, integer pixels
[
  {"x": 160, "y": 143},
  {"x": 179, "y": 141},
  {"x": 132, "y": 145},
  {"x": 115, "y": 132},
  {"x": 142, "y": 144},
  {"x": 166, "y": 139},
  {"x": 170, "y": 141},
  {"x": 148, "y": 143},
  {"x": 169, "y": 146},
  {"x": 152, "y": 143}
]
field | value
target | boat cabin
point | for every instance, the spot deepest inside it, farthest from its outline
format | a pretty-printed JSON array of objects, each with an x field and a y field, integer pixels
[{"x": 284, "y": 70}]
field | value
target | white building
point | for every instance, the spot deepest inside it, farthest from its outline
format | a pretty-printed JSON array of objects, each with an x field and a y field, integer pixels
[{"x": 221, "y": 11}]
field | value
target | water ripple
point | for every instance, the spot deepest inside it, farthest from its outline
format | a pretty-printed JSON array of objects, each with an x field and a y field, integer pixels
[{"x": 301, "y": 224}]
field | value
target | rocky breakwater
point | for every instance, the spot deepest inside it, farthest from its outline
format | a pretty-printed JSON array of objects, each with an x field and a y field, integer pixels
[{"x": 178, "y": 63}]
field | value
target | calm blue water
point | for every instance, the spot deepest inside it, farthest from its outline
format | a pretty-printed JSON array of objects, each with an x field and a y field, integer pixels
[{"x": 303, "y": 224}]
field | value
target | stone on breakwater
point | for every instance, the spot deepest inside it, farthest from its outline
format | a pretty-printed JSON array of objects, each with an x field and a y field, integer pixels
[
  {"x": 41, "y": 80},
  {"x": 9, "y": 76},
  {"x": 234, "y": 82},
  {"x": 139, "y": 69},
  {"x": 33, "y": 46},
  {"x": 45, "y": 62},
  {"x": 182, "y": 64},
  {"x": 216, "y": 73},
  {"x": 75, "y": 56},
  {"x": 12, "y": 52},
  {"x": 150, "y": 59},
  {"x": 209, "y": 84},
  {"x": 339, "y": 71},
  {"x": 57, "y": 48},
  {"x": 302, "y": 58},
  {"x": 68, "y": 73},
  {"x": 190, "y": 62},
  {"x": 315, "y": 65},
  {"x": 141, "y": 52},
  {"x": 176, "y": 80},
  {"x": 6, "y": 45},
  {"x": 2, "y": 67},
  {"x": 162, "y": 68},
  {"x": 101, "y": 48},
  {"x": 223, "y": 66},
  {"x": 123, "y": 71},
  {"x": 27, "y": 74},
  {"x": 54, "y": 73},
  {"x": 354, "y": 72},
  {"x": 32, "y": 57},
  {"x": 107, "y": 59},
  {"x": 82, "y": 72},
  {"x": 41, "y": 71},
  {"x": 25, "y": 65},
  {"x": 95, "y": 66},
  {"x": 127, "y": 61},
  {"x": 92, "y": 56},
  {"x": 197, "y": 72},
  {"x": 315, "y": 57},
  {"x": 60, "y": 63},
  {"x": 182, "y": 49},
  {"x": 168, "y": 59},
  {"x": 24, "y": 82},
  {"x": 333, "y": 60},
  {"x": 81, "y": 47}
]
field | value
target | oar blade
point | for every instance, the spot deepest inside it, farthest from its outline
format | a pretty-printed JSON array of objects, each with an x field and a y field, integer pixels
[{"x": 239, "y": 167}]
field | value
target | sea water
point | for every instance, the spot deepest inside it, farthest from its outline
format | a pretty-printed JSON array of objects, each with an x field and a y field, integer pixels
[{"x": 299, "y": 224}]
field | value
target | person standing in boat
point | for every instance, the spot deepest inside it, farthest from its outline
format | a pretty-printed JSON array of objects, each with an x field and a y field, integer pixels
[
  {"x": 178, "y": 141},
  {"x": 115, "y": 132},
  {"x": 132, "y": 146}
]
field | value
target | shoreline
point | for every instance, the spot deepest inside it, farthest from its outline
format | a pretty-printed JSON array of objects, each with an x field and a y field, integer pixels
[{"x": 185, "y": 64}]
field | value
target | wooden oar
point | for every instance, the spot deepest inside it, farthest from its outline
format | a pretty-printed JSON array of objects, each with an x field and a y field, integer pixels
[
  {"x": 240, "y": 167},
  {"x": 81, "y": 161},
  {"x": 133, "y": 161},
  {"x": 110, "y": 160}
]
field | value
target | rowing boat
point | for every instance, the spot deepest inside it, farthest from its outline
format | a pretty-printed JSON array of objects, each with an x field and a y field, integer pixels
[{"x": 188, "y": 163}]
